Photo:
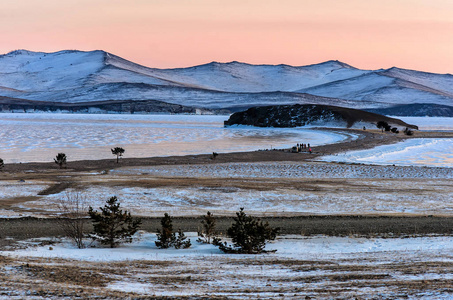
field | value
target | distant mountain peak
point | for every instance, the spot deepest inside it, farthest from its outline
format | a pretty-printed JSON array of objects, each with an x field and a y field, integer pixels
[
  {"x": 20, "y": 52},
  {"x": 336, "y": 63}
]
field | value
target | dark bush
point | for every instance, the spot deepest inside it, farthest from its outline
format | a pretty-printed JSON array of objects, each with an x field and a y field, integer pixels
[
  {"x": 113, "y": 226},
  {"x": 249, "y": 235}
]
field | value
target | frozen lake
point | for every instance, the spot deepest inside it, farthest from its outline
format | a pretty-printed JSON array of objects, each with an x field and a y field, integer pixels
[
  {"x": 39, "y": 137},
  {"x": 415, "y": 152}
]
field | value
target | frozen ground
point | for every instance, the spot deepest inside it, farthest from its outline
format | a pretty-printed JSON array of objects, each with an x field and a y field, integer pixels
[
  {"x": 92, "y": 136},
  {"x": 263, "y": 188},
  {"x": 291, "y": 170},
  {"x": 320, "y": 267}
]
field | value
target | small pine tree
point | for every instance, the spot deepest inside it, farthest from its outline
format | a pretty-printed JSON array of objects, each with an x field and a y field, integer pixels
[
  {"x": 166, "y": 238},
  {"x": 207, "y": 232},
  {"x": 118, "y": 151},
  {"x": 113, "y": 226},
  {"x": 181, "y": 242},
  {"x": 60, "y": 159},
  {"x": 249, "y": 235}
]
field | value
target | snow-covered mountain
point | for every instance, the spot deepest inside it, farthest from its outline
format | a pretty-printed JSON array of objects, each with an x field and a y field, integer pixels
[{"x": 82, "y": 77}]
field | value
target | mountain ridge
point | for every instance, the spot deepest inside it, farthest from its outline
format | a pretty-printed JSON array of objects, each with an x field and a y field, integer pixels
[{"x": 72, "y": 76}]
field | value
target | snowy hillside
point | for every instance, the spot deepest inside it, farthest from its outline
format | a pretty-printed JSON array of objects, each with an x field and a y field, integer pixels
[
  {"x": 390, "y": 86},
  {"x": 72, "y": 76}
]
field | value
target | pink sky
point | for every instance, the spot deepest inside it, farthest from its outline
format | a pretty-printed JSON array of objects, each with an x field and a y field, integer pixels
[{"x": 413, "y": 34}]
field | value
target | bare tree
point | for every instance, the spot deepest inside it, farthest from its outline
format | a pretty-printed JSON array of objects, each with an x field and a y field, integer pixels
[
  {"x": 118, "y": 151},
  {"x": 60, "y": 159},
  {"x": 73, "y": 215}
]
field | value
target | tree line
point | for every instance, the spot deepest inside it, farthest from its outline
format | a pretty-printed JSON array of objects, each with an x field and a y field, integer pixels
[{"x": 113, "y": 226}]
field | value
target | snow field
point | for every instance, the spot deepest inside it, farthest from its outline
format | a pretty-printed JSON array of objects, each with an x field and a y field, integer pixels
[
  {"x": 364, "y": 196},
  {"x": 15, "y": 189},
  {"x": 317, "y": 266},
  {"x": 287, "y": 246},
  {"x": 271, "y": 189}
]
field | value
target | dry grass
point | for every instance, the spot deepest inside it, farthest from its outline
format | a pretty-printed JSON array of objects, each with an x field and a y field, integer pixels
[{"x": 234, "y": 277}]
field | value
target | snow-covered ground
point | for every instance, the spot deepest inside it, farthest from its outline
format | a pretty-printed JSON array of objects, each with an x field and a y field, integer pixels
[
  {"x": 92, "y": 136},
  {"x": 264, "y": 189},
  {"x": 287, "y": 246},
  {"x": 321, "y": 267}
]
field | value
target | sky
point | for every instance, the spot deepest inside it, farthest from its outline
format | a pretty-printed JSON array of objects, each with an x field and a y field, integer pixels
[{"x": 412, "y": 34}]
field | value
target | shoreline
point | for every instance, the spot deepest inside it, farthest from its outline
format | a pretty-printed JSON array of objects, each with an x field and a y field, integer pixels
[{"x": 366, "y": 139}]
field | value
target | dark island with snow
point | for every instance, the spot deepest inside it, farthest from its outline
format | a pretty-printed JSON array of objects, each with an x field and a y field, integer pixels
[{"x": 310, "y": 114}]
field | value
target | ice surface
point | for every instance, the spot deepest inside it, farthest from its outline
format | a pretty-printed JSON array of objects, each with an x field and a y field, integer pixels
[
  {"x": 419, "y": 152},
  {"x": 92, "y": 136},
  {"x": 413, "y": 152},
  {"x": 429, "y": 123}
]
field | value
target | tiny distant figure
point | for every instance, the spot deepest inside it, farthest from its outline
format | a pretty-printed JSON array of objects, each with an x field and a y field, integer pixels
[
  {"x": 214, "y": 155},
  {"x": 308, "y": 145},
  {"x": 309, "y": 150},
  {"x": 364, "y": 128}
]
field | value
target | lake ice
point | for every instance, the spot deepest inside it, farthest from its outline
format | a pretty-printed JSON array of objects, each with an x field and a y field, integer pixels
[{"x": 39, "y": 137}]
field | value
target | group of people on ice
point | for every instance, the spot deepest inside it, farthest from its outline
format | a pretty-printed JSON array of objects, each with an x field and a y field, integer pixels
[{"x": 302, "y": 148}]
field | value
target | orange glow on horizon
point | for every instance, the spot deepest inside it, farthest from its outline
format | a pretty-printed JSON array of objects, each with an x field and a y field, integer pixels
[{"x": 412, "y": 34}]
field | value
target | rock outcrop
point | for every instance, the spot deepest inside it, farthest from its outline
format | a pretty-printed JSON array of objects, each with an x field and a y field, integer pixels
[{"x": 309, "y": 114}]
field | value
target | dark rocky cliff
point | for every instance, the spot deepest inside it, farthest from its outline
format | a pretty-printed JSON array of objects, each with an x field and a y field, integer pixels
[{"x": 307, "y": 114}]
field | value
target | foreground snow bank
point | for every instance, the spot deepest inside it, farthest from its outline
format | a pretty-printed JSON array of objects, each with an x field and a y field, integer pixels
[{"x": 287, "y": 246}]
